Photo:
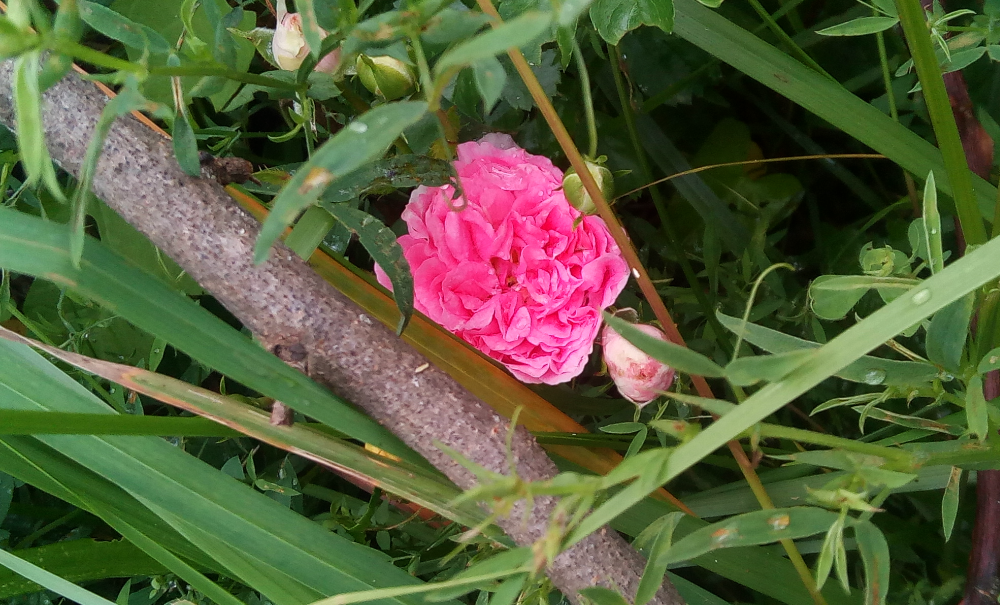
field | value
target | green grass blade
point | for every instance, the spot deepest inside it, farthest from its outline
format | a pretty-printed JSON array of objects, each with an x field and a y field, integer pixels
[
  {"x": 60, "y": 423},
  {"x": 223, "y": 509},
  {"x": 914, "y": 22},
  {"x": 32, "y": 246},
  {"x": 721, "y": 38},
  {"x": 80, "y": 561},
  {"x": 50, "y": 580},
  {"x": 961, "y": 277},
  {"x": 422, "y": 486}
]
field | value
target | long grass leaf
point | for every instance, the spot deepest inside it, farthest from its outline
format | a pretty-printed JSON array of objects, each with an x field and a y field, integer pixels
[
  {"x": 721, "y": 38},
  {"x": 35, "y": 247}
]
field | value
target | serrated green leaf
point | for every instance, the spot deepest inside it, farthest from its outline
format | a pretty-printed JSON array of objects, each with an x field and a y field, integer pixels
[
  {"x": 512, "y": 34},
  {"x": 490, "y": 78},
  {"x": 397, "y": 172},
  {"x": 615, "y": 18},
  {"x": 680, "y": 358},
  {"x": 123, "y": 29},
  {"x": 862, "y": 26},
  {"x": 381, "y": 243},
  {"x": 360, "y": 142}
]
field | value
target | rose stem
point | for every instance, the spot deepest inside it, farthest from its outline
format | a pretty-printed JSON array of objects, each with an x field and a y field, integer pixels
[{"x": 639, "y": 272}]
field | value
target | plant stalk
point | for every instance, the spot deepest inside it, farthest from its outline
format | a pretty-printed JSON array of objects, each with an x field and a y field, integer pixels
[{"x": 914, "y": 22}]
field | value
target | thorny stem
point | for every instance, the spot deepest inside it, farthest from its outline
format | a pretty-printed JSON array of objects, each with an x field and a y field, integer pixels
[
  {"x": 588, "y": 100},
  {"x": 747, "y": 468}
]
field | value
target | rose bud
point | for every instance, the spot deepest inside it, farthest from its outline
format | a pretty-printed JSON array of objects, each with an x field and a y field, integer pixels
[
  {"x": 577, "y": 194},
  {"x": 386, "y": 76},
  {"x": 639, "y": 377},
  {"x": 289, "y": 47}
]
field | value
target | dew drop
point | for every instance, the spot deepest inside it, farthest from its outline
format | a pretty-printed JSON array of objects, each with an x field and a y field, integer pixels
[
  {"x": 921, "y": 296},
  {"x": 358, "y": 127},
  {"x": 112, "y": 390},
  {"x": 933, "y": 231},
  {"x": 157, "y": 351},
  {"x": 875, "y": 376}
]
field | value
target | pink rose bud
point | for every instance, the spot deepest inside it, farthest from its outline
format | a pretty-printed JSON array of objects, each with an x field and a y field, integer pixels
[{"x": 639, "y": 377}]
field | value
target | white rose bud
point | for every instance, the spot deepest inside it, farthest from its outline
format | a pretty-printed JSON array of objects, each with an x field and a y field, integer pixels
[
  {"x": 639, "y": 377},
  {"x": 289, "y": 47}
]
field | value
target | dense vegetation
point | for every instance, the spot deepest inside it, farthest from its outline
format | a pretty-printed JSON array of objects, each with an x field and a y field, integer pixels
[{"x": 825, "y": 255}]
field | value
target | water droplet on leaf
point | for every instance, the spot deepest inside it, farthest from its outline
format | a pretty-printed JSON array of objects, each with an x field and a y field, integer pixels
[
  {"x": 875, "y": 376},
  {"x": 921, "y": 296}
]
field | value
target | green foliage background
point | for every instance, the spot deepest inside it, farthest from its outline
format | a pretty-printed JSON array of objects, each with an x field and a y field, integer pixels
[{"x": 847, "y": 334}]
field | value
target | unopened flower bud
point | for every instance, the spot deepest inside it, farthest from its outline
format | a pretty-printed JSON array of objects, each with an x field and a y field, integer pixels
[
  {"x": 577, "y": 194},
  {"x": 639, "y": 377},
  {"x": 289, "y": 47},
  {"x": 386, "y": 76},
  {"x": 289, "y": 44}
]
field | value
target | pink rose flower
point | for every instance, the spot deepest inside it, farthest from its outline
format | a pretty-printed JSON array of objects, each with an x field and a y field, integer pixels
[
  {"x": 518, "y": 273},
  {"x": 639, "y": 377}
]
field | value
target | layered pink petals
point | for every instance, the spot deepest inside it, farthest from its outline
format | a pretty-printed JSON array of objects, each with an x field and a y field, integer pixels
[{"x": 518, "y": 273}]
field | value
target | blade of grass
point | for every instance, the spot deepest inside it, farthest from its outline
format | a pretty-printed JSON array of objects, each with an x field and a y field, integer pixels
[
  {"x": 914, "y": 22},
  {"x": 35, "y": 247},
  {"x": 50, "y": 580},
  {"x": 426, "y": 488},
  {"x": 81, "y": 560},
  {"x": 732, "y": 44},
  {"x": 225, "y": 511},
  {"x": 958, "y": 279},
  {"x": 56, "y": 423}
]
